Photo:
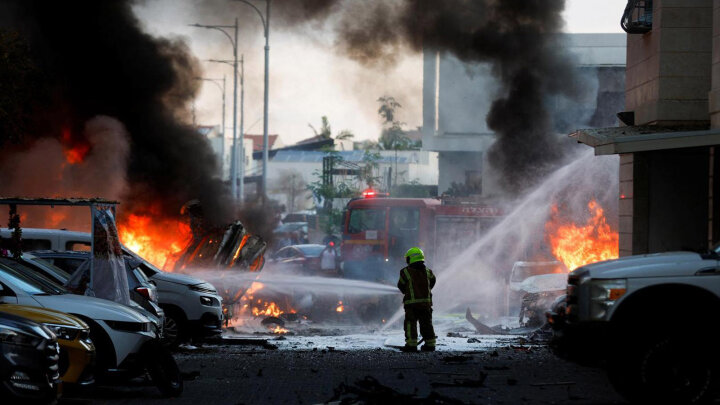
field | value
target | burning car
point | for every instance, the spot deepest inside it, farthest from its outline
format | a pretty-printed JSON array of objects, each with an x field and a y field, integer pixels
[{"x": 540, "y": 292}]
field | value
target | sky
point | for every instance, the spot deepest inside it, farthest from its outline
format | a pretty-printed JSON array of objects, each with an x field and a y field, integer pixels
[{"x": 308, "y": 77}]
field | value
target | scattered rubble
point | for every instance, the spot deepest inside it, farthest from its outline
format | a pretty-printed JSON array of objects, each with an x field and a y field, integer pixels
[{"x": 371, "y": 391}]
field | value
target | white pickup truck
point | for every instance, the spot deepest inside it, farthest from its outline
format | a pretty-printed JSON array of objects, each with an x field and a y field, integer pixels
[{"x": 650, "y": 320}]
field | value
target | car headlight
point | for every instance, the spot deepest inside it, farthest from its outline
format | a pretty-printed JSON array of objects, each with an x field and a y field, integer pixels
[
  {"x": 64, "y": 332},
  {"x": 15, "y": 336},
  {"x": 604, "y": 294},
  {"x": 130, "y": 326},
  {"x": 203, "y": 287}
]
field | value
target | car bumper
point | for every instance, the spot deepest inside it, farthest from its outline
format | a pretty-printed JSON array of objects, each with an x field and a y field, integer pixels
[
  {"x": 580, "y": 342},
  {"x": 77, "y": 362},
  {"x": 210, "y": 324},
  {"x": 31, "y": 373}
]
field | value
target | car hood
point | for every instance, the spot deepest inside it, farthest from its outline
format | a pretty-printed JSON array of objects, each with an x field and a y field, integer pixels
[
  {"x": 177, "y": 278},
  {"x": 44, "y": 315},
  {"x": 652, "y": 265},
  {"x": 94, "y": 308}
]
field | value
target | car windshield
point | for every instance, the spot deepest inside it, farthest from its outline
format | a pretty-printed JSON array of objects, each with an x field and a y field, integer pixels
[
  {"x": 522, "y": 271},
  {"x": 28, "y": 280},
  {"x": 289, "y": 227},
  {"x": 46, "y": 264},
  {"x": 366, "y": 220},
  {"x": 311, "y": 250}
]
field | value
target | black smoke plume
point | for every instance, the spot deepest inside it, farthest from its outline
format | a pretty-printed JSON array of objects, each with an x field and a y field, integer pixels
[
  {"x": 517, "y": 37},
  {"x": 94, "y": 60}
]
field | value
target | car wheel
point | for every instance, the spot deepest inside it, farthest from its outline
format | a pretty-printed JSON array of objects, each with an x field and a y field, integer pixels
[
  {"x": 164, "y": 371},
  {"x": 667, "y": 370},
  {"x": 173, "y": 329}
]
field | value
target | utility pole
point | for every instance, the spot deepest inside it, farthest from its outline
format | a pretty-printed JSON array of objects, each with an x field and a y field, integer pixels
[
  {"x": 234, "y": 42},
  {"x": 266, "y": 26},
  {"x": 241, "y": 190}
]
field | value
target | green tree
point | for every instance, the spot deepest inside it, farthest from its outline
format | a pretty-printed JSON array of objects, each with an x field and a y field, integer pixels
[
  {"x": 325, "y": 130},
  {"x": 393, "y": 135}
]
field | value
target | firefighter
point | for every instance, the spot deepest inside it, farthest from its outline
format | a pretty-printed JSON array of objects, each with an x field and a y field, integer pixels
[{"x": 415, "y": 283}]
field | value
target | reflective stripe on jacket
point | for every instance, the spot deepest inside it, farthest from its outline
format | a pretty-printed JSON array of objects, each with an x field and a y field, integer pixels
[{"x": 415, "y": 283}]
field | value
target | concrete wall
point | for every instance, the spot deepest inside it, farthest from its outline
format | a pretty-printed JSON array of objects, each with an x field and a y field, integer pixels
[
  {"x": 714, "y": 97},
  {"x": 670, "y": 200},
  {"x": 455, "y": 166},
  {"x": 668, "y": 68}
]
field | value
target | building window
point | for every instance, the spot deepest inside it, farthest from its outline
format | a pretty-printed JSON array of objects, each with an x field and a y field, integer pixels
[{"x": 637, "y": 18}]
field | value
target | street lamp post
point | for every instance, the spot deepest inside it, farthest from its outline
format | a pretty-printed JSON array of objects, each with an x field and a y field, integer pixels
[
  {"x": 222, "y": 144},
  {"x": 241, "y": 147},
  {"x": 233, "y": 154},
  {"x": 266, "y": 26}
]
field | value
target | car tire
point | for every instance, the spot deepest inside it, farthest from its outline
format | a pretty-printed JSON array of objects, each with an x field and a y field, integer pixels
[
  {"x": 174, "y": 331},
  {"x": 666, "y": 370},
  {"x": 164, "y": 371}
]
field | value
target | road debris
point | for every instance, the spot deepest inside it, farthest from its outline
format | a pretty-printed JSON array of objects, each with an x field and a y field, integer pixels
[
  {"x": 371, "y": 391},
  {"x": 481, "y": 327}
]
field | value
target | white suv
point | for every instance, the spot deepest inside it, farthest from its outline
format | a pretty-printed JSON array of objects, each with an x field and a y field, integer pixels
[
  {"x": 193, "y": 308},
  {"x": 651, "y": 320}
]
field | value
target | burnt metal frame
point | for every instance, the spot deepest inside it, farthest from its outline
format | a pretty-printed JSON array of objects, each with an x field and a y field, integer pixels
[{"x": 93, "y": 203}]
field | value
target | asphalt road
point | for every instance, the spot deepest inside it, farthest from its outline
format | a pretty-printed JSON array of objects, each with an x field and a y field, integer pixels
[{"x": 251, "y": 374}]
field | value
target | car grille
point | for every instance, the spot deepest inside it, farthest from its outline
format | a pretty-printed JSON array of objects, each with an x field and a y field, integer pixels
[{"x": 52, "y": 356}]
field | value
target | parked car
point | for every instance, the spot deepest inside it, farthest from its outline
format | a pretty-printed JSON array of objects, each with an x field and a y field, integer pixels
[
  {"x": 126, "y": 341},
  {"x": 77, "y": 352},
  {"x": 62, "y": 266},
  {"x": 304, "y": 259},
  {"x": 47, "y": 239},
  {"x": 291, "y": 233},
  {"x": 29, "y": 356},
  {"x": 650, "y": 320},
  {"x": 192, "y": 307}
]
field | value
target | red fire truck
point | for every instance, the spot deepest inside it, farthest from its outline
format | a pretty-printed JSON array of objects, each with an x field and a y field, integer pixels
[{"x": 378, "y": 231}]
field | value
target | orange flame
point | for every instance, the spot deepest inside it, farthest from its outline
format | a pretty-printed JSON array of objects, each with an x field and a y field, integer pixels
[
  {"x": 577, "y": 245},
  {"x": 269, "y": 309},
  {"x": 340, "y": 307},
  {"x": 280, "y": 330},
  {"x": 157, "y": 240},
  {"x": 73, "y": 150}
]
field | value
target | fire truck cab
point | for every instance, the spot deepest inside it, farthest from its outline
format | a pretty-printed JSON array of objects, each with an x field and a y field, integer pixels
[{"x": 378, "y": 231}]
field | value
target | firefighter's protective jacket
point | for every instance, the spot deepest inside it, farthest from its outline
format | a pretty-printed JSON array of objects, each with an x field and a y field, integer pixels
[{"x": 415, "y": 282}]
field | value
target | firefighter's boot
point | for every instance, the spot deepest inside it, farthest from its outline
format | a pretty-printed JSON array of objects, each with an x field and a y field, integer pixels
[{"x": 409, "y": 349}]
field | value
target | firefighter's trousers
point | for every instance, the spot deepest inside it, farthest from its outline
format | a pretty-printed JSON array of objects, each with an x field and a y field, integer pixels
[{"x": 421, "y": 313}]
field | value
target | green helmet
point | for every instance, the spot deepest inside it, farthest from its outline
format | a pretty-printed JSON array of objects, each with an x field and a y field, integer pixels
[{"x": 414, "y": 255}]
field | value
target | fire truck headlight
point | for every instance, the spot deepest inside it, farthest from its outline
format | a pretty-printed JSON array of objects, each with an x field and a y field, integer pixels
[
  {"x": 603, "y": 295},
  {"x": 387, "y": 260}
]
